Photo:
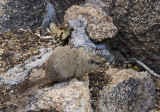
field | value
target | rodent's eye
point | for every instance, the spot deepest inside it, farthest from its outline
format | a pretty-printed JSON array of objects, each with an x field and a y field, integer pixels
[{"x": 91, "y": 61}]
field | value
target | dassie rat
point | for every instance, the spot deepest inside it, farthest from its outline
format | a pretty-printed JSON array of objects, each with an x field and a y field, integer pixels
[{"x": 64, "y": 63}]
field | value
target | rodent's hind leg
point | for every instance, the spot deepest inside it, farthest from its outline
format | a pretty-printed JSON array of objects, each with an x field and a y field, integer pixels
[
  {"x": 83, "y": 77},
  {"x": 57, "y": 82}
]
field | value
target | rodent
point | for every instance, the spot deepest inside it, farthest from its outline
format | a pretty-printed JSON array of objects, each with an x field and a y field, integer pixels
[{"x": 65, "y": 63}]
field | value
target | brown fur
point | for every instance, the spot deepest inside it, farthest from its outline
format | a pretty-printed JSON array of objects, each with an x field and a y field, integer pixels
[{"x": 66, "y": 63}]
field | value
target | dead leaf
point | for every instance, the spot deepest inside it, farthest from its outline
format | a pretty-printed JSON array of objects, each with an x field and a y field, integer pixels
[
  {"x": 54, "y": 29},
  {"x": 1, "y": 51},
  {"x": 66, "y": 32},
  {"x": 3, "y": 44}
]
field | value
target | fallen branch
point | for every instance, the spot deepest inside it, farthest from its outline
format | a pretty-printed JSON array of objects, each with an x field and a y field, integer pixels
[{"x": 146, "y": 67}]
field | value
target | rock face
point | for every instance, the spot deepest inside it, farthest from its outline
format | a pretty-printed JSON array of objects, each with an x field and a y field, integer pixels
[
  {"x": 20, "y": 14},
  {"x": 29, "y": 14},
  {"x": 70, "y": 96},
  {"x": 100, "y": 26},
  {"x": 139, "y": 27},
  {"x": 129, "y": 91}
]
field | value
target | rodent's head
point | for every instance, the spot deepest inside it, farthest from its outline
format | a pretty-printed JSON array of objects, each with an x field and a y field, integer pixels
[{"x": 95, "y": 62}]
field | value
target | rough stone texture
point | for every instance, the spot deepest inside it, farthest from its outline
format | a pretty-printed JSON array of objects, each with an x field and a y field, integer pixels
[
  {"x": 97, "y": 4},
  {"x": 100, "y": 26},
  {"x": 79, "y": 38},
  {"x": 25, "y": 14},
  {"x": 62, "y": 5},
  {"x": 128, "y": 91},
  {"x": 138, "y": 22},
  {"x": 17, "y": 74},
  {"x": 29, "y": 14},
  {"x": 51, "y": 16},
  {"x": 72, "y": 96}
]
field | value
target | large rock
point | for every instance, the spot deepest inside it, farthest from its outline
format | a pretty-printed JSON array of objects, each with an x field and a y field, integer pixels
[
  {"x": 29, "y": 14},
  {"x": 139, "y": 27},
  {"x": 20, "y": 14},
  {"x": 128, "y": 91},
  {"x": 79, "y": 38},
  {"x": 70, "y": 96},
  {"x": 100, "y": 26}
]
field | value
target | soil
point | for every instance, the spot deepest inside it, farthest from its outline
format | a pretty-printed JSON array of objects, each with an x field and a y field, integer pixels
[
  {"x": 18, "y": 46},
  {"x": 97, "y": 80}
]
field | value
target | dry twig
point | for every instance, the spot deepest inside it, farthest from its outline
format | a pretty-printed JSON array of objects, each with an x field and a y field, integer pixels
[{"x": 146, "y": 68}]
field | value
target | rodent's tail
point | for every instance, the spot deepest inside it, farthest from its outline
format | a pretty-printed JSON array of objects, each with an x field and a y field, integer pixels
[{"x": 40, "y": 83}]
